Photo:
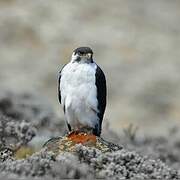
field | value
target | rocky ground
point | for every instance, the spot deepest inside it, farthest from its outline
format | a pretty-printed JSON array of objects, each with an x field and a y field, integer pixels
[
  {"x": 26, "y": 120},
  {"x": 135, "y": 42}
]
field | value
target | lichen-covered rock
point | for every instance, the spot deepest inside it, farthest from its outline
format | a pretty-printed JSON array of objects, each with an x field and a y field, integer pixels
[
  {"x": 14, "y": 134},
  {"x": 125, "y": 164},
  {"x": 32, "y": 108},
  {"x": 68, "y": 143},
  {"x": 87, "y": 162},
  {"x": 21, "y": 114},
  {"x": 6, "y": 153},
  {"x": 164, "y": 148},
  {"x": 110, "y": 160},
  {"x": 45, "y": 164}
]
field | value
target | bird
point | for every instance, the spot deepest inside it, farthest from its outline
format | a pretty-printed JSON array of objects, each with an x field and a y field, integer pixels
[{"x": 82, "y": 92}]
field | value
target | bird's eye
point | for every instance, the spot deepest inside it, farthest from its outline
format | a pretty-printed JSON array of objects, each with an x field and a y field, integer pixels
[{"x": 80, "y": 53}]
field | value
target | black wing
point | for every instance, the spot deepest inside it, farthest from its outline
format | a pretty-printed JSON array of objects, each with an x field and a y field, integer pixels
[
  {"x": 59, "y": 82},
  {"x": 101, "y": 96},
  {"x": 59, "y": 90}
]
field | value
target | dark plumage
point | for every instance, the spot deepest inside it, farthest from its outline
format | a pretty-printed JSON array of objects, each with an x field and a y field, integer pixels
[
  {"x": 83, "y": 50},
  {"x": 101, "y": 96}
]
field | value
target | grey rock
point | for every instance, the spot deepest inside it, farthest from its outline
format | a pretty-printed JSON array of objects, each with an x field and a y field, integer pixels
[
  {"x": 31, "y": 108},
  {"x": 13, "y": 133},
  {"x": 88, "y": 163}
]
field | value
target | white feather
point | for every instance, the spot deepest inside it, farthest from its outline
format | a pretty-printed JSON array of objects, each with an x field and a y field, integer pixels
[{"x": 79, "y": 94}]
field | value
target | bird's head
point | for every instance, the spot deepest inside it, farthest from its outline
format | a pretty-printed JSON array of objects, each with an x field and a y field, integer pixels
[{"x": 82, "y": 55}]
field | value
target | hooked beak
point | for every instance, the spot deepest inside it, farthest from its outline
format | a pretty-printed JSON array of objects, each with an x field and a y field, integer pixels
[
  {"x": 87, "y": 56},
  {"x": 84, "y": 57}
]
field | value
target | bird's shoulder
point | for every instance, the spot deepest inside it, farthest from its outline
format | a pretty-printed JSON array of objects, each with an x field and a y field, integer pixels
[
  {"x": 63, "y": 68},
  {"x": 99, "y": 73}
]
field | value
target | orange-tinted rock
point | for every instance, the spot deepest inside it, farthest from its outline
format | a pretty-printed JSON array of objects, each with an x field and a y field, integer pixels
[
  {"x": 68, "y": 143},
  {"x": 82, "y": 138}
]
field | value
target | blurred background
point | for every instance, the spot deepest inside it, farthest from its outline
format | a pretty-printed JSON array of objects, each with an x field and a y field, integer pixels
[{"x": 137, "y": 44}]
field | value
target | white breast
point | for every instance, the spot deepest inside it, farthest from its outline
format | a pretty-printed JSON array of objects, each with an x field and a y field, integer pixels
[{"x": 79, "y": 93}]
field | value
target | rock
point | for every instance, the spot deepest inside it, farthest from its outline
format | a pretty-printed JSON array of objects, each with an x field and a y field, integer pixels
[
  {"x": 30, "y": 107},
  {"x": 5, "y": 154},
  {"x": 86, "y": 162},
  {"x": 45, "y": 165},
  {"x": 14, "y": 134},
  {"x": 68, "y": 143},
  {"x": 109, "y": 160},
  {"x": 124, "y": 164},
  {"x": 21, "y": 114}
]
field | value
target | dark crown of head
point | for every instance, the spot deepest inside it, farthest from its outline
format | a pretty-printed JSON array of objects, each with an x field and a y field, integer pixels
[{"x": 83, "y": 50}]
